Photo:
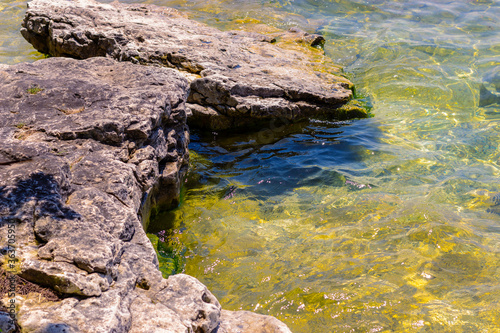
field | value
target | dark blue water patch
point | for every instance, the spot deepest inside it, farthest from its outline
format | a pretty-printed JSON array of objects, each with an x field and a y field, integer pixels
[
  {"x": 314, "y": 154},
  {"x": 278, "y": 181}
]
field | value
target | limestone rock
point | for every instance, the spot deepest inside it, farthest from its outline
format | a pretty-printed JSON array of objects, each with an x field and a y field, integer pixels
[
  {"x": 239, "y": 77},
  {"x": 87, "y": 149},
  {"x": 198, "y": 307},
  {"x": 149, "y": 316},
  {"x": 249, "y": 322},
  {"x": 298, "y": 35},
  {"x": 68, "y": 130}
]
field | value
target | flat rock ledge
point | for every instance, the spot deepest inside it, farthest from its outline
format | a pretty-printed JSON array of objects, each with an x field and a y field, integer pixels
[
  {"x": 237, "y": 78},
  {"x": 85, "y": 147}
]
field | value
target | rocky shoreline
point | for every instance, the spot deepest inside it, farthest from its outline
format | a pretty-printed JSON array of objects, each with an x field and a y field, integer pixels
[
  {"x": 236, "y": 78},
  {"x": 86, "y": 154},
  {"x": 91, "y": 147}
]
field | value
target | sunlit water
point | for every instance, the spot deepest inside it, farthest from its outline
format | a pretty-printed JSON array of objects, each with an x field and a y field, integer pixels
[{"x": 391, "y": 223}]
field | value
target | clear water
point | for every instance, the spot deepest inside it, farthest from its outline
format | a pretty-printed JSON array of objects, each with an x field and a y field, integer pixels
[
  {"x": 13, "y": 48},
  {"x": 378, "y": 225}
]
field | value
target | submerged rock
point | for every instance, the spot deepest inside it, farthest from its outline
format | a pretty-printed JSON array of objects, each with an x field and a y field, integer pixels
[
  {"x": 492, "y": 78},
  {"x": 87, "y": 149},
  {"x": 490, "y": 97},
  {"x": 237, "y": 78},
  {"x": 487, "y": 98}
]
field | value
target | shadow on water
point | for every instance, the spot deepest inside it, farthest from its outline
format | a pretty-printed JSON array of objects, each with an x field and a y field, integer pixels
[
  {"x": 269, "y": 163},
  {"x": 265, "y": 164}
]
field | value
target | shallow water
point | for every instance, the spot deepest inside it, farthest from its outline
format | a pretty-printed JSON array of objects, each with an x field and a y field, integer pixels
[
  {"x": 390, "y": 223},
  {"x": 13, "y": 47}
]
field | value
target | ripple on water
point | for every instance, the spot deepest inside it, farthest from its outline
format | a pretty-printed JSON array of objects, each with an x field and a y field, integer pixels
[{"x": 13, "y": 48}]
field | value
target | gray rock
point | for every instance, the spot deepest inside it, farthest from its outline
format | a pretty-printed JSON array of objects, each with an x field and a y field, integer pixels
[
  {"x": 487, "y": 98},
  {"x": 197, "y": 308},
  {"x": 238, "y": 78},
  {"x": 249, "y": 322},
  {"x": 63, "y": 277},
  {"x": 87, "y": 149},
  {"x": 149, "y": 316},
  {"x": 7, "y": 325}
]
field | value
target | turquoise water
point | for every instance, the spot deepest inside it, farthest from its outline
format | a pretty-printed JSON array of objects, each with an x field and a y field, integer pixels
[{"x": 387, "y": 224}]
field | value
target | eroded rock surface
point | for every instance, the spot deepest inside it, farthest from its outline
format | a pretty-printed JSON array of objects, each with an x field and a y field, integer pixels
[
  {"x": 237, "y": 78},
  {"x": 87, "y": 148},
  {"x": 245, "y": 321}
]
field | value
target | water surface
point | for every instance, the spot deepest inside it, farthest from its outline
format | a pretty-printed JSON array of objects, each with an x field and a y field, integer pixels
[{"x": 385, "y": 224}]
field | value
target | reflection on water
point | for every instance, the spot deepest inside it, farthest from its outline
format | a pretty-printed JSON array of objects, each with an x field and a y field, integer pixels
[{"x": 385, "y": 224}]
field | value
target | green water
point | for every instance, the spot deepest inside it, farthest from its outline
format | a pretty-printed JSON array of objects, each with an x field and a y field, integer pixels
[
  {"x": 388, "y": 224},
  {"x": 13, "y": 48}
]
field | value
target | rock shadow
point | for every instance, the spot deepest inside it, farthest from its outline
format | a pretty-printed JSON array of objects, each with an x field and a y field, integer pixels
[
  {"x": 278, "y": 160},
  {"x": 39, "y": 195}
]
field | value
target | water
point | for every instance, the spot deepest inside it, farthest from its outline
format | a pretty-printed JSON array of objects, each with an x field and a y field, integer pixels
[
  {"x": 13, "y": 48},
  {"x": 384, "y": 224}
]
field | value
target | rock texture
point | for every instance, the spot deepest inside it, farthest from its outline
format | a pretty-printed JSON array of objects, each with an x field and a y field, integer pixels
[
  {"x": 87, "y": 149},
  {"x": 245, "y": 321},
  {"x": 237, "y": 78}
]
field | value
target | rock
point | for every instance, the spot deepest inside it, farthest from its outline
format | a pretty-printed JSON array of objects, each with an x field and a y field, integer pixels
[
  {"x": 237, "y": 78},
  {"x": 249, "y": 322},
  {"x": 300, "y": 36},
  {"x": 492, "y": 78},
  {"x": 149, "y": 316},
  {"x": 199, "y": 312},
  {"x": 487, "y": 98},
  {"x": 7, "y": 325},
  {"x": 87, "y": 149}
]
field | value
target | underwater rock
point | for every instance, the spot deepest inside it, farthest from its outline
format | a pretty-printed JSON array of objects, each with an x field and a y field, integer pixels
[
  {"x": 300, "y": 36},
  {"x": 490, "y": 97},
  {"x": 87, "y": 149},
  {"x": 492, "y": 78},
  {"x": 239, "y": 77},
  {"x": 495, "y": 207},
  {"x": 487, "y": 97}
]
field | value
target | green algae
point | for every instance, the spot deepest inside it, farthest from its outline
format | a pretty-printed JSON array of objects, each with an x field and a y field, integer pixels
[
  {"x": 170, "y": 254},
  {"x": 33, "y": 90},
  {"x": 353, "y": 109}
]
